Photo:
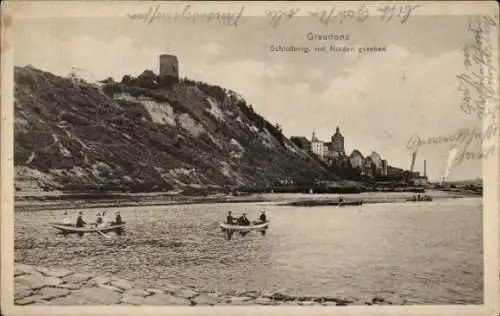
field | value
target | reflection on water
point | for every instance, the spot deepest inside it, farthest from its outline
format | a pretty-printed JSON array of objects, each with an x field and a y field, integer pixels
[{"x": 424, "y": 252}]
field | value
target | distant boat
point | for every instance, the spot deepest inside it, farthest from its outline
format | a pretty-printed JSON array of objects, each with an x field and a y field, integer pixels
[
  {"x": 422, "y": 199},
  {"x": 71, "y": 229},
  {"x": 348, "y": 203},
  {"x": 415, "y": 190}
]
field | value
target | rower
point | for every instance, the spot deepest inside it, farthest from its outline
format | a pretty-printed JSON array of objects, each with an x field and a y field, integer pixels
[
  {"x": 118, "y": 218},
  {"x": 105, "y": 221},
  {"x": 79, "y": 220},
  {"x": 263, "y": 217},
  {"x": 229, "y": 218},
  {"x": 99, "y": 219},
  {"x": 66, "y": 218}
]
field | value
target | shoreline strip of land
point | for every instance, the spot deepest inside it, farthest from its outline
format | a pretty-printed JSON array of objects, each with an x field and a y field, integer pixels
[{"x": 43, "y": 202}]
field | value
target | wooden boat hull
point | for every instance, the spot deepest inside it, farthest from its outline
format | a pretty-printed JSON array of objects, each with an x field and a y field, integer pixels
[
  {"x": 244, "y": 229},
  {"x": 349, "y": 203},
  {"x": 422, "y": 200},
  {"x": 71, "y": 229}
]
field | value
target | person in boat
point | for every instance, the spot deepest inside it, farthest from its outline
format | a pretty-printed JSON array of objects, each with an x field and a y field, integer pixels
[
  {"x": 105, "y": 220},
  {"x": 118, "y": 219},
  {"x": 79, "y": 220},
  {"x": 66, "y": 219},
  {"x": 99, "y": 220},
  {"x": 341, "y": 200},
  {"x": 229, "y": 218},
  {"x": 262, "y": 217},
  {"x": 243, "y": 220}
]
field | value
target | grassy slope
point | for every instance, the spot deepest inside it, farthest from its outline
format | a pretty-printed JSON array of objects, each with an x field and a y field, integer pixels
[{"x": 78, "y": 136}]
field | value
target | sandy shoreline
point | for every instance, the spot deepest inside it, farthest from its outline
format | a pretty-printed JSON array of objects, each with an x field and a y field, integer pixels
[
  {"x": 64, "y": 202},
  {"x": 34, "y": 285}
]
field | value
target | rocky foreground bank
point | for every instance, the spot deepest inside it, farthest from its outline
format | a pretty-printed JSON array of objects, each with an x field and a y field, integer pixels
[{"x": 53, "y": 286}]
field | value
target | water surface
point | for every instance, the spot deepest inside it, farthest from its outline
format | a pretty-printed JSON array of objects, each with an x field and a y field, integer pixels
[{"x": 426, "y": 253}]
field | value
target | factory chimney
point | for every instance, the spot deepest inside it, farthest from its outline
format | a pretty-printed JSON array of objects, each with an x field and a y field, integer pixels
[{"x": 425, "y": 168}]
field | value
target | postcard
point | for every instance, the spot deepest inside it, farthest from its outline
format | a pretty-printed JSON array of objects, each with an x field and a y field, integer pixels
[{"x": 193, "y": 158}]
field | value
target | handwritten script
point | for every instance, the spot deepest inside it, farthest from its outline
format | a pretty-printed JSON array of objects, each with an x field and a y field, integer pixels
[
  {"x": 463, "y": 137},
  {"x": 476, "y": 84},
  {"x": 401, "y": 12},
  {"x": 189, "y": 14},
  {"x": 275, "y": 17}
]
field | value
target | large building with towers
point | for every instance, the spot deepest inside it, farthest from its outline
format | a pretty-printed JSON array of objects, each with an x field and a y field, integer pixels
[{"x": 333, "y": 153}]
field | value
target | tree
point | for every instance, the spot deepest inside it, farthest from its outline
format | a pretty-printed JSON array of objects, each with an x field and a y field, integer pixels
[
  {"x": 108, "y": 80},
  {"x": 147, "y": 79},
  {"x": 148, "y": 74},
  {"x": 127, "y": 79}
]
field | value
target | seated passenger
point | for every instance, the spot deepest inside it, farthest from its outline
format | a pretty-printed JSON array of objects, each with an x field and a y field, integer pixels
[
  {"x": 243, "y": 220},
  {"x": 262, "y": 217},
  {"x": 229, "y": 218},
  {"x": 105, "y": 220},
  {"x": 79, "y": 220},
  {"x": 99, "y": 219},
  {"x": 118, "y": 219},
  {"x": 66, "y": 219}
]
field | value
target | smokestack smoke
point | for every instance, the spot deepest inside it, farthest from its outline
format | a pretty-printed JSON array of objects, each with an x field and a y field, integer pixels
[{"x": 449, "y": 163}]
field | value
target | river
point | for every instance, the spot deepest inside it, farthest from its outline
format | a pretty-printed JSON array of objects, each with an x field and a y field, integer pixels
[{"x": 425, "y": 253}]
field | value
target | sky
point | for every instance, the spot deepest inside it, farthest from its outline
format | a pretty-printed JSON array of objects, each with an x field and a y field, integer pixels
[{"x": 378, "y": 100}]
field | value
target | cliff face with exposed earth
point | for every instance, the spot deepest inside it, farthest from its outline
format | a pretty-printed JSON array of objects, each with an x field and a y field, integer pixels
[{"x": 142, "y": 134}]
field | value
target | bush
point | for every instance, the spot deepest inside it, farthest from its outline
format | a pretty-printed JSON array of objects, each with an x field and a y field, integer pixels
[
  {"x": 148, "y": 80},
  {"x": 112, "y": 88},
  {"x": 108, "y": 80},
  {"x": 127, "y": 79}
]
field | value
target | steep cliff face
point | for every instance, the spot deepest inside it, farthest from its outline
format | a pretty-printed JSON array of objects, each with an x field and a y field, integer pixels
[{"x": 142, "y": 135}]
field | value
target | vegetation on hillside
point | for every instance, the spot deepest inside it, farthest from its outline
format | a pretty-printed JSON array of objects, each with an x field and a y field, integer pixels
[{"x": 73, "y": 135}]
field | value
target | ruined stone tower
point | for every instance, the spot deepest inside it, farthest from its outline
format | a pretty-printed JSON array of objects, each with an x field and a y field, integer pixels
[{"x": 169, "y": 66}]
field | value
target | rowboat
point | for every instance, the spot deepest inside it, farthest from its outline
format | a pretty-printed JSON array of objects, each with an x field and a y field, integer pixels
[
  {"x": 427, "y": 199},
  {"x": 71, "y": 229},
  {"x": 243, "y": 229},
  {"x": 348, "y": 203}
]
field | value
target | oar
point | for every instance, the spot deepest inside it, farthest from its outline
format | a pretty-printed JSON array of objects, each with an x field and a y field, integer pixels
[
  {"x": 229, "y": 231},
  {"x": 100, "y": 232}
]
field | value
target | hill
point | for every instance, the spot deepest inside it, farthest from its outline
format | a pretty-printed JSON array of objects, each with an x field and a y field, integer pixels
[{"x": 143, "y": 135}]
